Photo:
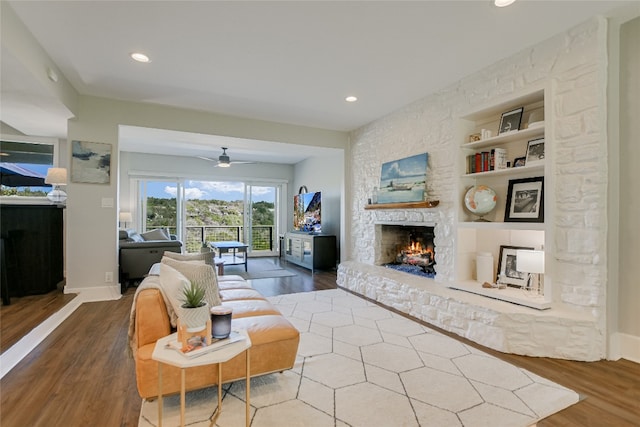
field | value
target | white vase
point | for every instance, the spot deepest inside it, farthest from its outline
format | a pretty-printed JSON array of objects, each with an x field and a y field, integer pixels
[{"x": 194, "y": 319}]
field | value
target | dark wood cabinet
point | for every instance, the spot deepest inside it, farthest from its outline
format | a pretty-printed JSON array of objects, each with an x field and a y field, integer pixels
[
  {"x": 33, "y": 257},
  {"x": 312, "y": 251}
]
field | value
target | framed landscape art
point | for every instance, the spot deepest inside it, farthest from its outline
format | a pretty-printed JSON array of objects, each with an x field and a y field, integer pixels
[
  {"x": 90, "y": 162},
  {"x": 403, "y": 180}
]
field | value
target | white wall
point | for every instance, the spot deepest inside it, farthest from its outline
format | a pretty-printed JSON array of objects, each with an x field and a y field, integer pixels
[
  {"x": 325, "y": 174},
  {"x": 192, "y": 168},
  {"x": 91, "y": 229},
  {"x": 629, "y": 232}
]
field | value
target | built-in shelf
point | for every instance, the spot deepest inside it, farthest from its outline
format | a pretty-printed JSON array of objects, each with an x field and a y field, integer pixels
[
  {"x": 478, "y": 237},
  {"x": 505, "y": 138},
  {"x": 404, "y": 205},
  {"x": 487, "y": 225},
  {"x": 513, "y": 295},
  {"x": 508, "y": 171}
]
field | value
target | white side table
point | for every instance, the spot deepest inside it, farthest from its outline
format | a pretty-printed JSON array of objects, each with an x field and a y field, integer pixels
[{"x": 169, "y": 356}]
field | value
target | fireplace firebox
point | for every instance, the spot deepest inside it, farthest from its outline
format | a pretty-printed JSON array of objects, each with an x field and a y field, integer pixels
[{"x": 407, "y": 248}]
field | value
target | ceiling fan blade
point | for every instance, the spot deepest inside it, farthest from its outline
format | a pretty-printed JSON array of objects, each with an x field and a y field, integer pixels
[
  {"x": 209, "y": 159},
  {"x": 224, "y": 161}
]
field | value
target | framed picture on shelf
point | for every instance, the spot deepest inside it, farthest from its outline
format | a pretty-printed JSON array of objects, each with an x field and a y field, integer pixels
[
  {"x": 519, "y": 161},
  {"x": 535, "y": 152},
  {"x": 510, "y": 121},
  {"x": 508, "y": 274},
  {"x": 525, "y": 200}
]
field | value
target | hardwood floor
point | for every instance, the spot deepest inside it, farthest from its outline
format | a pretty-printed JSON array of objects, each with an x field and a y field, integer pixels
[
  {"x": 82, "y": 375},
  {"x": 25, "y": 313}
]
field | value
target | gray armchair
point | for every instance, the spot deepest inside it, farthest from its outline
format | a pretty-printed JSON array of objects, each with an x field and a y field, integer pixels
[{"x": 138, "y": 252}]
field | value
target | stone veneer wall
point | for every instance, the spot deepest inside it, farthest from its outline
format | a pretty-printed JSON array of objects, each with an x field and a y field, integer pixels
[{"x": 572, "y": 66}]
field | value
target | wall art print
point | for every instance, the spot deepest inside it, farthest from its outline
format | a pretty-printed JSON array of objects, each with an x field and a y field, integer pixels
[
  {"x": 90, "y": 162},
  {"x": 403, "y": 180}
]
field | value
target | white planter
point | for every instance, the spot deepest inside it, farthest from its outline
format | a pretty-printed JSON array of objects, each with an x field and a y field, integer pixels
[{"x": 194, "y": 319}]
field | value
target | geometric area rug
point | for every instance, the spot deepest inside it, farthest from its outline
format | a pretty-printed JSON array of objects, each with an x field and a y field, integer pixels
[{"x": 359, "y": 364}]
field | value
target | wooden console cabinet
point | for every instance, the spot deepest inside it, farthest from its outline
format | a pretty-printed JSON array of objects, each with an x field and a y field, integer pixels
[{"x": 312, "y": 251}]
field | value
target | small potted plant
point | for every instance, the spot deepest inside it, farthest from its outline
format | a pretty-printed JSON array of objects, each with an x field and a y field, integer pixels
[{"x": 194, "y": 310}]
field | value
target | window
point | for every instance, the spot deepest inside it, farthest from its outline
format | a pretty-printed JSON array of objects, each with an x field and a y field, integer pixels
[
  {"x": 24, "y": 165},
  {"x": 159, "y": 205},
  {"x": 203, "y": 211}
]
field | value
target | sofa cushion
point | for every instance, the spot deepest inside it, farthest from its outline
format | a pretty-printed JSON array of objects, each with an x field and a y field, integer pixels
[
  {"x": 207, "y": 257},
  {"x": 274, "y": 344},
  {"x": 238, "y": 294},
  {"x": 223, "y": 285},
  {"x": 156, "y": 234},
  {"x": 201, "y": 274},
  {"x": 230, "y": 278},
  {"x": 172, "y": 283},
  {"x": 252, "y": 307}
]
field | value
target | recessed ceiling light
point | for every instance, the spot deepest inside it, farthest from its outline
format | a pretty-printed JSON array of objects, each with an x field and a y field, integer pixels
[
  {"x": 140, "y": 57},
  {"x": 351, "y": 98},
  {"x": 503, "y": 3}
]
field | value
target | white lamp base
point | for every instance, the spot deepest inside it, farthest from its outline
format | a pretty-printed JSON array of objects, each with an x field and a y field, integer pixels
[{"x": 57, "y": 196}]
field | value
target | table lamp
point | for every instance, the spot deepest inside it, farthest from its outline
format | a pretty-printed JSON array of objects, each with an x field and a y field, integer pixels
[
  {"x": 56, "y": 177},
  {"x": 125, "y": 217},
  {"x": 528, "y": 261}
]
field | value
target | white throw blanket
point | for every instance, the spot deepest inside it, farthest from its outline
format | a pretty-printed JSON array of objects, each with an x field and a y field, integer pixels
[{"x": 151, "y": 282}]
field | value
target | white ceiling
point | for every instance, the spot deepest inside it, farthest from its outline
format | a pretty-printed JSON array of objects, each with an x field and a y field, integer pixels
[{"x": 290, "y": 62}]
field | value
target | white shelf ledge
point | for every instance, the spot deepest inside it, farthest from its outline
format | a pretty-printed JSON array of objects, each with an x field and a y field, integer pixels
[
  {"x": 508, "y": 171},
  {"x": 499, "y": 225},
  {"x": 505, "y": 138},
  {"x": 513, "y": 295}
]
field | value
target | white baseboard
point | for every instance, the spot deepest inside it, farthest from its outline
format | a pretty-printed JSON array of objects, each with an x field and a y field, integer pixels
[
  {"x": 12, "y": 356},
  {"x": 624, "y": 346},
  {"x": 96, "y": 293}
]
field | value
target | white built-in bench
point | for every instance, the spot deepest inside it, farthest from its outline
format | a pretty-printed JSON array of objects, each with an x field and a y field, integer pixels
[{"x": 562, "y": 331}]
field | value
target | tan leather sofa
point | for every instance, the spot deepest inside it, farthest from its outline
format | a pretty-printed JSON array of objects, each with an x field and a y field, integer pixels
[{"x": 274, "y": 339}]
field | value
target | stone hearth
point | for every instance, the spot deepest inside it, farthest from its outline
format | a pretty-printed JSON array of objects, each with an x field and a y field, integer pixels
[{"x": 564, "y": 332}]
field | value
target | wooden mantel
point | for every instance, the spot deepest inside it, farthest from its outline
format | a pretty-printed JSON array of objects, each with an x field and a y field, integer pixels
[{"x": 405, "y": 205}]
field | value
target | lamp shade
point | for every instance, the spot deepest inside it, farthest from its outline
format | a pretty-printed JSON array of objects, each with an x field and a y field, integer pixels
[
  {"x": 530, "y": 261},
  {"x": 125, "y": 217},
  {"x": 56, "y": 176}
]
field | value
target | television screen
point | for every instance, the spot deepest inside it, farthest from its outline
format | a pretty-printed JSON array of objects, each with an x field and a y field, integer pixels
[{"x": 307, "y": 212}]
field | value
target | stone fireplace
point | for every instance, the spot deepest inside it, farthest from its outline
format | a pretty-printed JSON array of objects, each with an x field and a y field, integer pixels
[
  {"x": 409, "y": 248},
  {"x": 568, "y": 69}
]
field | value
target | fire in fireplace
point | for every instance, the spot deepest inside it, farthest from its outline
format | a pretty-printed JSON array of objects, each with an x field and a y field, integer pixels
[{"x": 409, "y": 249}]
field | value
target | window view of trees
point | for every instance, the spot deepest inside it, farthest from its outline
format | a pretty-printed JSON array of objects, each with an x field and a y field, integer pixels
[
  {"x": 213, "y": 220},
  {"x": 23, "y": 166}
]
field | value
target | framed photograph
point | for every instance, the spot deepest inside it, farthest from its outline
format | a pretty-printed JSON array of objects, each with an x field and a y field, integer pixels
[
  {"x": 508, "y": 274},
  {"x": 535, "y": 152},
  {"x": 525, "y": 200},
  {"x": 510, "y": 120},
  {"x": 90, "y": 162},
  {"x": 519, "y": 161}
]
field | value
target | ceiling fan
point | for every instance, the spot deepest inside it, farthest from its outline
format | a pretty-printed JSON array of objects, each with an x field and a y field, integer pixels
[{"x": 224, "y": 161}]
